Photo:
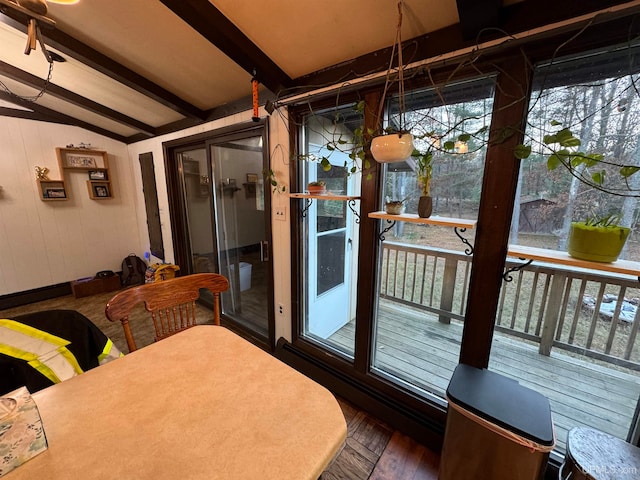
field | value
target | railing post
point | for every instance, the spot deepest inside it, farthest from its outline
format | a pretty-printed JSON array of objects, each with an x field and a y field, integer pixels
[
  {"x": 552, "y": 313},
  {"x": 448, "y": 288}
]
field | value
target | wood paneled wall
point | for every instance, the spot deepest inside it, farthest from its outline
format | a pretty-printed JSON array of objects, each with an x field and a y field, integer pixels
[{"x": 46, "y": 243}]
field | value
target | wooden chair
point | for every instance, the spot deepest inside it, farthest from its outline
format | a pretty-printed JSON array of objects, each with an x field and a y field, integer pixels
[{"x": 172, "y": 303}]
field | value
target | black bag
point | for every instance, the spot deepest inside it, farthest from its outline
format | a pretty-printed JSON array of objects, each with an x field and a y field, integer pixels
[{"x": 133, "y": 270}]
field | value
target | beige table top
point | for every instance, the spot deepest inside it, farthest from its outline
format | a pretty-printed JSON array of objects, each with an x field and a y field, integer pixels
[{"x": 202, "y": 404}]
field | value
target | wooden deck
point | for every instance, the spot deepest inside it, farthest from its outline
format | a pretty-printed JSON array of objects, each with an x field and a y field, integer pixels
[{"x": 415, "y": 347}]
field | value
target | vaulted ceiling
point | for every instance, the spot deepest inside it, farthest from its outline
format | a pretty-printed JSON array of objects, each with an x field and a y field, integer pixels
[{"x": 134, "y": 69}]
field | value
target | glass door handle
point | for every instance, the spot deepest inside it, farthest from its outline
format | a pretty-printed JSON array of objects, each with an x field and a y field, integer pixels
[{"x": 264, "y": 251}]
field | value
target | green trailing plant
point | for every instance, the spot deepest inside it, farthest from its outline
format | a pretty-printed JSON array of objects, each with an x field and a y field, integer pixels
[
  {"x": 271, "y": 179},
  {"x": 354, "y": 147},
  {"x": 562, "y": 150}
]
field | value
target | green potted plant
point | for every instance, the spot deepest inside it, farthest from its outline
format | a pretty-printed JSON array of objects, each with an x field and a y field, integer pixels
[
  {"x": 597, "y": 239},
  {"x": 424, "y": 173},
  {"x": 317, "y": 188}
]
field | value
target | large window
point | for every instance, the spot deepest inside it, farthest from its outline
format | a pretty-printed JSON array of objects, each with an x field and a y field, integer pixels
[
  {"x": 583, "y": 352},
  {"x": 423, "y": 269},
  {"x": 417, "y": 298}
]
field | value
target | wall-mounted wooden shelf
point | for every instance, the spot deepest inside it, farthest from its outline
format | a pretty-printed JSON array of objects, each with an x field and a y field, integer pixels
[
  {"x": 94, "y": 162},
  {"x": 433, "y": 220},
  {"x": 349, "y": 199},
  {"x": 82, "y": 159},
  {"x": 459, "y": 225},
  {"x": 325, "y": 196},
  {"x": 52, "y": 190},
  {"x": 624, "y": 267},
  {"x": 99, "y": 190}
]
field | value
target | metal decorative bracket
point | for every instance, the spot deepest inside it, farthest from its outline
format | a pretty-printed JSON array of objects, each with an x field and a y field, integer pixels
[
  {"x": 351, "y": 204},
  {"x": 303, "y": 212},
  {"x": 507, "y": 274},
  {"x": 392, "y": 223},
  {"x": 469, "y": 249}
]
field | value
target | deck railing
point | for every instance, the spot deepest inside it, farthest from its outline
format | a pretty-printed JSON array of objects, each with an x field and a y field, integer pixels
[{"x": 581, "y": 311}]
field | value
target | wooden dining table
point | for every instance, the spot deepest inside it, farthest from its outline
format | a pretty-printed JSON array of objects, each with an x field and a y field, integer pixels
[{"x": 202, "y": 404}]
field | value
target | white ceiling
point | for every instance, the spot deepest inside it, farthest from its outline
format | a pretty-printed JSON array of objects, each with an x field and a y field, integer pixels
[{"x": 150, "y": 68}]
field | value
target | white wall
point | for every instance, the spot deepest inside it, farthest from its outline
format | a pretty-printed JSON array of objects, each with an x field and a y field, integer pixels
[
  {"x": 279, "y": 141},
  {"x": 45, "y": 243}
]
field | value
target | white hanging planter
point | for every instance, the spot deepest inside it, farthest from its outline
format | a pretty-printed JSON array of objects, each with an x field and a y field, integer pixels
[{"x": 394, "y": 147}]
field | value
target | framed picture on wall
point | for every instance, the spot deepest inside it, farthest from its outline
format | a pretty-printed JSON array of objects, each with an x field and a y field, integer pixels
[
  {"x": 97, "y": 174},
  {"x": 82, "y": 159},
  {"x": 101, "y": 190},
  {"x": 55, "y": 193}
]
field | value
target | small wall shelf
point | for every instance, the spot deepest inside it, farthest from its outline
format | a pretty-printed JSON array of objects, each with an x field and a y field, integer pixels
[
  {"x": 99, "y": 190},
  {"x": 433, "y": 220},
  {"x": 326, "y": 196},
  {"x": 350, "y": 199},
  {"x": 459, "y": 225},
  {"x": 625, "y": 267},
  {"x": 52, "y": 190},
  {"x": 82, "y": 159},
  {"x": 95, "y": 163}
]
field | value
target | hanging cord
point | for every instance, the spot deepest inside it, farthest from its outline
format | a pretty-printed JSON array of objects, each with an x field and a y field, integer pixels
[{"x": 397, "y": 44}]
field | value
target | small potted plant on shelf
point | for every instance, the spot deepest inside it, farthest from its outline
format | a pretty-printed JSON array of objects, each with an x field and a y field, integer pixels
[
  {"x": 317, "y": 188},
  {"x": 394, "y": 207},
  {"x": 597, "y": 239},
  {"x": 424, "y": 173}
]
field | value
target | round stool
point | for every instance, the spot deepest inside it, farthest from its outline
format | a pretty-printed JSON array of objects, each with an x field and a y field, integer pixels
[{"x": 595, "y": 455}]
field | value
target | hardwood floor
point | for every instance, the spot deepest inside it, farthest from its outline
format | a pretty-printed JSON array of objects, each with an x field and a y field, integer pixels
[
  {"x": 372, "y": 450},
  {"x": 415, "y": 347}
]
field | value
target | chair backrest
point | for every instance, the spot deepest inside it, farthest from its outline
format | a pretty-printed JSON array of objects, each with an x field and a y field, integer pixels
[{"x": 172, "y": 303}]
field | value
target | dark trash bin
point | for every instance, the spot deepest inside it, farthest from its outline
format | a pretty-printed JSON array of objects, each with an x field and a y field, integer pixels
[{"x": 496, "y": 429}]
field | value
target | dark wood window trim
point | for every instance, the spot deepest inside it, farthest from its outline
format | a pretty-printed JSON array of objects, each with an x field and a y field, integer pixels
[
  {"x": 174, "y": 189},
  {"x": 499, "y": 183}
]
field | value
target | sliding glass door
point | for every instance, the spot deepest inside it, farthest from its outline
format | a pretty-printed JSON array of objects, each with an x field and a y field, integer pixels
[
  {"x": 243, "y": 242},
  {"x": 221, "y": 220}
]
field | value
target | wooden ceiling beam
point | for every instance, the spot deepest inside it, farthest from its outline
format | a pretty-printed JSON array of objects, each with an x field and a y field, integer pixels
[
  {"x": 56, "y": 91},
  {"x": 50, "y": 115},
  {"x": 209, "y": 22},
  {"x": 83, "y": 53},
  {"x": 27, "y": 114}
]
